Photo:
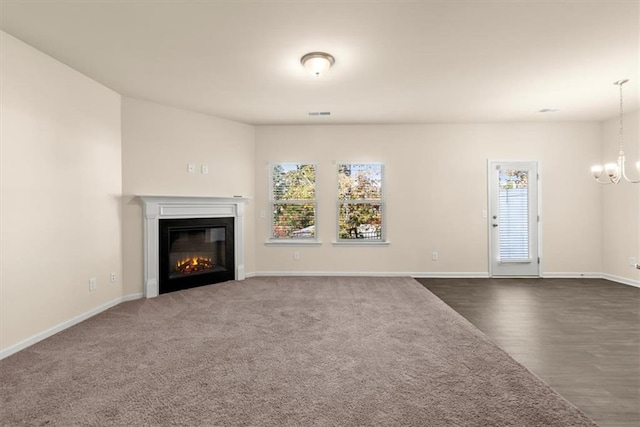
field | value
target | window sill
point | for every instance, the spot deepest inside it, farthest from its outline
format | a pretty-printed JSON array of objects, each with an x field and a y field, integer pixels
[
  {"x": 293, "y": 242},
  {"x": 365, "y": 243}
]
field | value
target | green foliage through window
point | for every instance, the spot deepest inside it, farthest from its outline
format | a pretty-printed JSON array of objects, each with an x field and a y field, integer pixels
[
  {"x": 293, "y": 205},
  {"x": 360, "y": 203},
  {"x": 513, "y": 179}
]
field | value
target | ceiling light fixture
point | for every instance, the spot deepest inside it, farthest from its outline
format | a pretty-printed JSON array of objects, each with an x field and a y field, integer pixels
[
  {"x": 616, "y": 171},
  {"x": 317, "y": 63}
]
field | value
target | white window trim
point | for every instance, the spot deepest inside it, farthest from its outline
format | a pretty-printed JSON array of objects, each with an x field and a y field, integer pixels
[
  {"x": 354, "y": 242},
  {"x": 292, "y": 241}
]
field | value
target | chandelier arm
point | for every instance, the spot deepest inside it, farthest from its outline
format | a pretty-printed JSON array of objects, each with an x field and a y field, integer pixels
[
  {"x": 607, "y": 182},
  {"x": 631, "y": 180},
  {"x": 623, "y": 170}
]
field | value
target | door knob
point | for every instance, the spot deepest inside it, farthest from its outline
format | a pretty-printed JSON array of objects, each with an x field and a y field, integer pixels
[{"x": 495, "y": 225}]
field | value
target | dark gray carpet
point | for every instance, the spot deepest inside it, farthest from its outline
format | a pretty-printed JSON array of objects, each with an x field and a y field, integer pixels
[{"x": 278, "y": 351}]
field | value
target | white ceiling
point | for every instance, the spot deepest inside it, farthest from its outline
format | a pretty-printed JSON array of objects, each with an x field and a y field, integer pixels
[{"x": 396, "y": 61}]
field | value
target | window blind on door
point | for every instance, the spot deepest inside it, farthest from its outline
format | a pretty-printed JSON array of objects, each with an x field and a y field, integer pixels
[{"x": 514, "y": 220}]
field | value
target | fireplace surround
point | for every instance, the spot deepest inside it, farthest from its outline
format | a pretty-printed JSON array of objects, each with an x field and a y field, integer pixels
[{"x": 157, "y": 208}]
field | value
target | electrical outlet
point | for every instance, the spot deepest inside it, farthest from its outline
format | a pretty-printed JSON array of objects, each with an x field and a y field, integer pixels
[
  {"x": 263, "y": 214},
  {"x": 113, "y": 277},
  {"x": 204, "y": 169},
  {"x": 92, "y": 284},
  {"x": 633, "y": 261},
  {"x": 296, "y": 255},
  {"x": 434, "y": 256}
]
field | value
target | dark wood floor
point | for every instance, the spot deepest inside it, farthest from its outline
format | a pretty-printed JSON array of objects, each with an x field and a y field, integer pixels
[{"x": 581, "y": 336}]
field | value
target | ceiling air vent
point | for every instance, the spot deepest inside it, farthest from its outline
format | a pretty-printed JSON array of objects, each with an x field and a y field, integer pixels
[{"x": 319, "y": 113}]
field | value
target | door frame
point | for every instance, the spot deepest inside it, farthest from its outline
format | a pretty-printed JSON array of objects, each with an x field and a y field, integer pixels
[{"x": 539, "y": 212}]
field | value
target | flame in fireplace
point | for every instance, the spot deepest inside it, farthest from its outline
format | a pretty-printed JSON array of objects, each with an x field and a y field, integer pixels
[{"x": 193, "y": 264}]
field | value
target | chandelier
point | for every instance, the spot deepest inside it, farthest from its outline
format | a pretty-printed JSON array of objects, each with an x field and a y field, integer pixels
[{"x": 616, "y": 171}]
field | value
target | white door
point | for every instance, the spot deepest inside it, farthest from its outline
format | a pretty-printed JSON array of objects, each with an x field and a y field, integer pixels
[{"x": 513, "y": 219}]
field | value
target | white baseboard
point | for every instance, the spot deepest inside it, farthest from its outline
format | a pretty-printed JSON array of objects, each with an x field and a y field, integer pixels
[
  {"x": 132, "y": 297},
  {"x": 623, "y": 280},
  {"x": 610, "y": 277},
  {"x": 457, "y": 275},
  {"x": 64, "y": 325},
  {"x": 373, "y": 274},
  {"x": 440, "y": 275},
  {"x": 326, "y": 273},
  {"x": 571, "y": 275}
]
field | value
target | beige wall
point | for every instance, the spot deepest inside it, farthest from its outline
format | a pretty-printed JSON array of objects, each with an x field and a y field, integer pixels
[
  {"x": 436, "y": 182},
  {"x": 61, "y": 193},
  {"x": 158, "y": 143},
  {"x": 621, "y": 203}
]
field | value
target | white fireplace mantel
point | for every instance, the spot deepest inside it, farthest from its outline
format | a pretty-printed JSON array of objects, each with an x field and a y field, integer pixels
[{"x": 172, "y": 207}]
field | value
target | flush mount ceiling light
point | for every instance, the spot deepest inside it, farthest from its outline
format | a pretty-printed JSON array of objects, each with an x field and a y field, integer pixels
[
  {"x": 616, "y": 171},
  {"x": 317, "y": 63}
]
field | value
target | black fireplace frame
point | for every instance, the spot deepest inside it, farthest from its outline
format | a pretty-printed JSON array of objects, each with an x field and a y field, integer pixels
[{"x": 166, "y": 226}]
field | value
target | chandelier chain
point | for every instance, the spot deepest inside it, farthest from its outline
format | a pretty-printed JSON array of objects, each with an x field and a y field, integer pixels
[{"x": 621, "y": 120}]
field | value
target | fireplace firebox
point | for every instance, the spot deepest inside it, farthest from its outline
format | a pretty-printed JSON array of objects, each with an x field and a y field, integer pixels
[{"x": 195, "y": 252}]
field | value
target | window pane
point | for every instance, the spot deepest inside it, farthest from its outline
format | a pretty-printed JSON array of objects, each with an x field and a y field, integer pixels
[
  {"x": 294, "y": 182},
  {"x": 360, "y": 221},
  {"x": 514, "y": 215},
  {"x": 293, "y": 220},
  {"x": 360, "y": 182}
]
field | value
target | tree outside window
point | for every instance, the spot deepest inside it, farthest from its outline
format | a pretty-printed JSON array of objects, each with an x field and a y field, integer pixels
[
  {"x": 293, "y": 201},
  {"x": 360, "y": 202}
]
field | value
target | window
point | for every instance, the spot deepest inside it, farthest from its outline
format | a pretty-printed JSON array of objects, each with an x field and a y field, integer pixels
[
  {"x": 293, "y": 201},
  {"x": 513, "y": 198},
  {"x": 360, "y": 203}
]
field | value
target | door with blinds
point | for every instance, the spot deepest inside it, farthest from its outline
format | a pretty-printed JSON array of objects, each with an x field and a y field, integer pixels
[{"x": 513, "y": 219}]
